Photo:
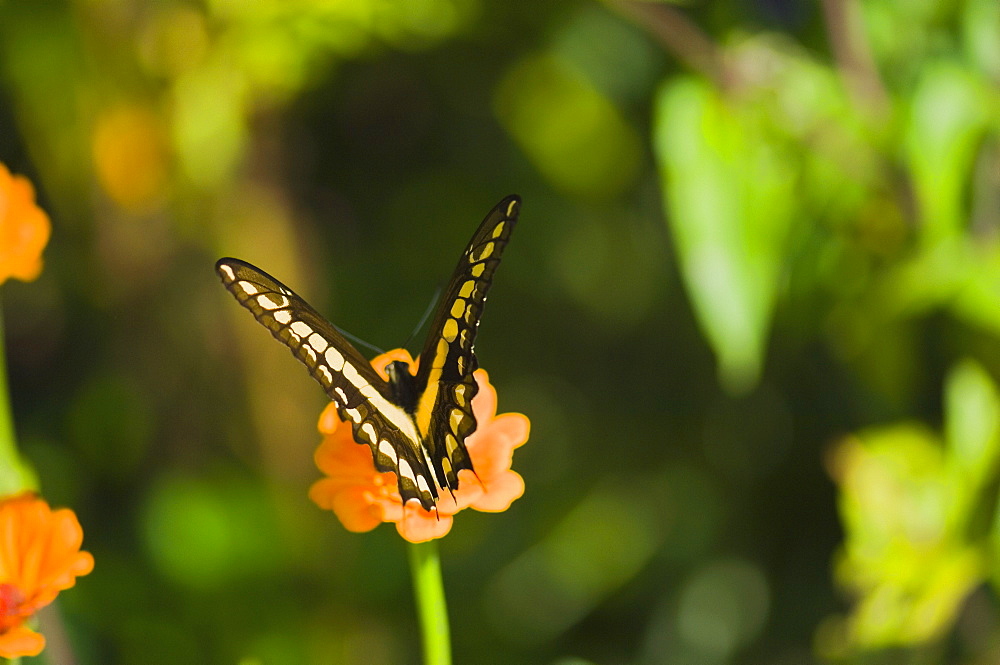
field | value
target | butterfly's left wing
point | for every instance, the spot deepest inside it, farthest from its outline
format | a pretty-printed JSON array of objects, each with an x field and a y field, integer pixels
[
  {"x": 362, "y": 397},
  {"x": 444, "y": 377}
]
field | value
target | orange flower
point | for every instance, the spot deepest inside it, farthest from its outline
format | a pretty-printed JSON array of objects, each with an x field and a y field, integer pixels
[
  {"x": 362, "y": 498},
  {"x": 24, "y": 228},
  {"x": 39, "y": 557}
]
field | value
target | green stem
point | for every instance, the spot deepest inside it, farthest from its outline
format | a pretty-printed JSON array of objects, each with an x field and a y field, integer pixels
[
  {"x": 429, "y": 593},
  {"x": 11, "y": 470}
]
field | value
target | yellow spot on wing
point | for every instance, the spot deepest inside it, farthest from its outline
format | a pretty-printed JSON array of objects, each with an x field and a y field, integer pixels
[
  {"x": 486, "y": 252},
  {"x": 386, "y": 449},
  {"x": 335, "y": 359},
  {"x": 267, "y": 302},
  {"x": 477, "y": 270},
  {"x": 369, "y": 391},
  {"x": 457, "y": 307},
  {"x": 406, "y": 471},
  {"x": 317, "y": 342},
  {"x": 369, "y": 430},
  {"x": 467, "y": 288},
  {"x": 450, "y": 330},
  {"x": 456, "y": 419},
  {"x": 499, "y": 229},
  {"x": 427, "y": 400}
]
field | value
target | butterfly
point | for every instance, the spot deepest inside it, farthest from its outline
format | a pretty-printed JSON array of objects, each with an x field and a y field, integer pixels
[{"x": 415, "y": 425}]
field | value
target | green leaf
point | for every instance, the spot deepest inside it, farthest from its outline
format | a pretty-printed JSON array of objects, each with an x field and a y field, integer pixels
[
  {"x": 947, "y": 119},
  {"x": 728, "y": 201},
  {"x": 904, "y": 555},
  {"x": 972, "y": 409}
]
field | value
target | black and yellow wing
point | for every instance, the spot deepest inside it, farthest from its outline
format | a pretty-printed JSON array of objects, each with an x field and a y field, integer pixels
[
  {"x": 444, "y": 377},
  {"x": 362, "y": 397},
  {"x": 415, "y": 426}
]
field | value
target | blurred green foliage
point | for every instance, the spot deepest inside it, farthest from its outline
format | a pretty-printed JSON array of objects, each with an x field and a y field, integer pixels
[
  {"x": 917, "y": 513},
  {"x": 752, "y": 309}
]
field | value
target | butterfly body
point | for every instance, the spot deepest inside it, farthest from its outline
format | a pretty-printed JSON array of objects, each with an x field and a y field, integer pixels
[
  {"x": 403, "y": 386},
  {"x": 416, "y": 424}
]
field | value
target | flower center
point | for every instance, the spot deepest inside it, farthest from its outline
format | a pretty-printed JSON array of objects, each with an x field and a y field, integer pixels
[{"x": 12, "y": 610}]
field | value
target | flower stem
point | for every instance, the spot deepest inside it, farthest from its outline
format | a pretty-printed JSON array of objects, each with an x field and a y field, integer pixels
[
  {"x": 429, "y": 593},
  {"x": 12, "y": 476}
]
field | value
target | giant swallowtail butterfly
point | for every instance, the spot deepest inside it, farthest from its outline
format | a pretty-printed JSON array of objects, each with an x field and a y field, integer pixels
[{"x": 416, "y": 426}]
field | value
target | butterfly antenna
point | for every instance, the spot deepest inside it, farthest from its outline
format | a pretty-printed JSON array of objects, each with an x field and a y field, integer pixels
[
  {"x": 358, "y": 341},
  {"x": 425, "y": 316}
]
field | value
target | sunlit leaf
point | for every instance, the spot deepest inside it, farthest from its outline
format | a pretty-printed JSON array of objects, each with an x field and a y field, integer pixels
[
  {"x": 910, "y": 504},
  {"x": 947, "y": 120},
  {"x": 981, "y": 24},
  {"x": 902, "y": 554},
  {"x": 728, "y": 199},
  {"x": 972, "y": 406}
]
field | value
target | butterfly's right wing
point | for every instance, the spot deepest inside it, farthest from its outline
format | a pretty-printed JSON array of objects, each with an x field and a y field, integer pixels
[
  {"x": 360, "y": 394},
  {"x": 444, "y": 376}
]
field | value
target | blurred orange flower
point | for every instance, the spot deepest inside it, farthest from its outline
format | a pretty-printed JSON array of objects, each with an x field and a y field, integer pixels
[
  {"x": 24, "y": 228},
  {"x": 362, "y": 497},
  {"x": 39, "y": 557},
  {"x": 130, "y": 156}
]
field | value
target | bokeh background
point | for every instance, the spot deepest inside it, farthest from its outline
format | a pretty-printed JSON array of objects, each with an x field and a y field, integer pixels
[{"x": 752, "y": 309}]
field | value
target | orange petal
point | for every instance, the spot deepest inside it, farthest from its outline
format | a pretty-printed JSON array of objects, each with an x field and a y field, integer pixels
[
  {"x": 379, "y": 362},
  {"x": 419, "y": 525},
  {"x": 24, "y": 228},
  {"x": 64, "y": 561},
  {"x": 492, "y": 449},
  {"x": 339, "y": 456},
  {"x": 39, "y": 556},
  {"x": 470, "y": 488},
  {"x": 503, "y": 489},
  {"x": 514, "y": 427},
  {"x": 40, "y": 548},
  {"x": 484, "y": 404},
  {"x": 21, "y": 641},
  {"x": 329, "y": 420},
  {"x": 349, "y": 505}
]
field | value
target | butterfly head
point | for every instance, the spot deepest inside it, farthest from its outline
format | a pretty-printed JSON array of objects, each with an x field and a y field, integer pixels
[{"x": 403, "y": 385}]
